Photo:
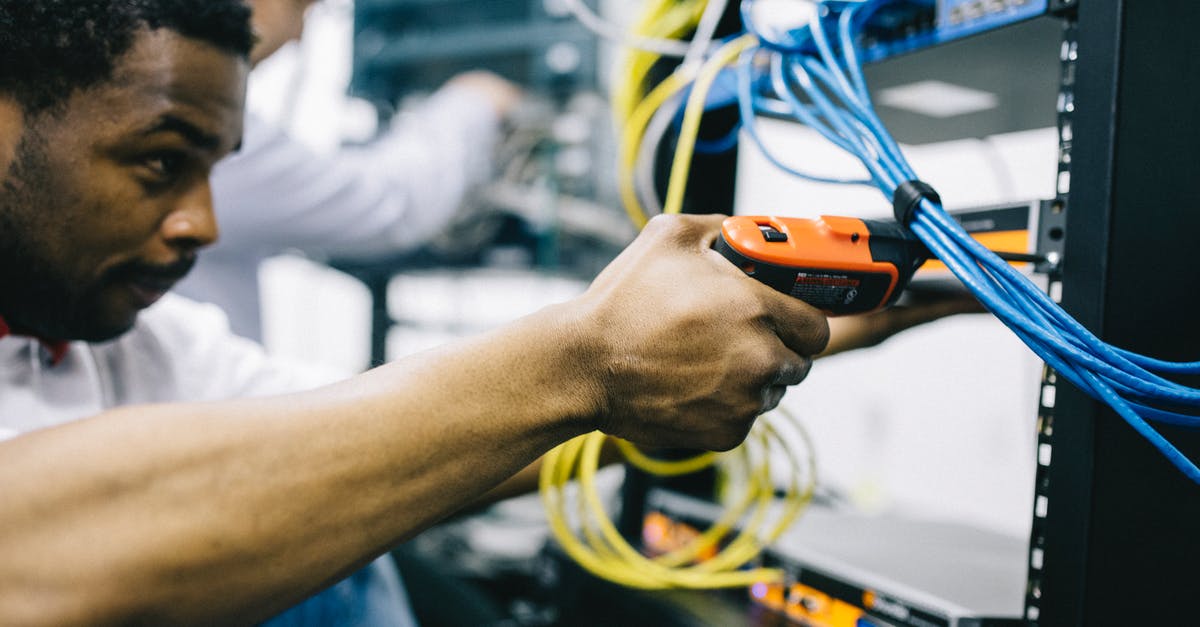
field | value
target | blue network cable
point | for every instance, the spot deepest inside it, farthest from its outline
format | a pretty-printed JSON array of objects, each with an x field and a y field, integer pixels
[{"x": 816, "y": 71}]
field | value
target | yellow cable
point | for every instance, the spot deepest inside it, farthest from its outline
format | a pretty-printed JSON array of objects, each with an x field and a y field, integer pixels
[
  {"x": 760, "y": 494},
  {"x": 661, "y": 19},
  {"x": 607, "y": 555},
  {"x": 686, "y": 145},
  {"x": 679, "y": 577},
  {"x": 749, "y": 546},
  {"x": 635, "y": 127},
  {"x": 712, "y": 536},
  {"x": 663, "y": 468},
  {"x": 632, "y": 112},
  {"x": 631, "y": 139},
  {"x": 665, "y": 578}
]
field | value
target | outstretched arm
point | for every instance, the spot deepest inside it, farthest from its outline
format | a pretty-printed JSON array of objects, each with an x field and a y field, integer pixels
[{"x": 232, "y": 511}]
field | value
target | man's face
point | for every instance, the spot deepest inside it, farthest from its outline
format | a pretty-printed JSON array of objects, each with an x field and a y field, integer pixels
[{"x": 105, "y": 200}]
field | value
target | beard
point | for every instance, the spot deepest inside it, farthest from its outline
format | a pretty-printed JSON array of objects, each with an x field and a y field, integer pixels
[
  {"x": 37, "y": 296},
  {"x": 30, "y": 296}
]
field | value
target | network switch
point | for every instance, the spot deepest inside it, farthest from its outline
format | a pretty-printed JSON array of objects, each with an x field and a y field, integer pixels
[{"x": 901, "y": 27}]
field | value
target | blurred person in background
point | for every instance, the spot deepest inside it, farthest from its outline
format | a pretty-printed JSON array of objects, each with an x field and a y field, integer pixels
[{"x": 389, "y": 195}]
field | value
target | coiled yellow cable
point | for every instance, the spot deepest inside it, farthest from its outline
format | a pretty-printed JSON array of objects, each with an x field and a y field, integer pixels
[
  {"x": 761, "y": 519},
  {"x": 664, "y": 468}
]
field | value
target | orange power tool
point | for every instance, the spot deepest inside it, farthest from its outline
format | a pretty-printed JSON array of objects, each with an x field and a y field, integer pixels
[{"x": 839, "y": 265}]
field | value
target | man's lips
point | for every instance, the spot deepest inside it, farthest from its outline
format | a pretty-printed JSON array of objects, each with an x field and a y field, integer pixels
[
  {"x": 147, "y": 291},
  {"x": 150, "y": 283}
]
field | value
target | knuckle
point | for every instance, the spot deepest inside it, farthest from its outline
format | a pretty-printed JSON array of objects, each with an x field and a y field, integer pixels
[
  {"x": 804, "y": 368},
  {"x": 767, "y": 372},
  {"x": 661, "y": 225},
  {"x": 821, "y": 334},
  {"x": 794, "y": 371},
  {"x": 772, "y": 396},
  {"x": 810, "y": 332},
  {"x": 758, "y": 310}
]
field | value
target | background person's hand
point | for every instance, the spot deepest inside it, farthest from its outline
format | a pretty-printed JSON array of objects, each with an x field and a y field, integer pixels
[
  {"x": 503, "y": 94},
  {"x": 688, "y": 350},
  {"x": 866, "y": 330}
]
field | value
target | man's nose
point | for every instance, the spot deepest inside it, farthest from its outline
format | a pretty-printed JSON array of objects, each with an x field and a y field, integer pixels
[{"x": 191, "y": 223}]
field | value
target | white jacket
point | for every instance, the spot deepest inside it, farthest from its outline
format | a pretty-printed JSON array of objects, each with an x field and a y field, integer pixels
[
  {"x": 277, "y": 194},
  {"x": 179, "y": 351}
]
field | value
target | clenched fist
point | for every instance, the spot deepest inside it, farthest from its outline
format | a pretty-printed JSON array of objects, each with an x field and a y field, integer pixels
[{"x": 686, "y": 351}]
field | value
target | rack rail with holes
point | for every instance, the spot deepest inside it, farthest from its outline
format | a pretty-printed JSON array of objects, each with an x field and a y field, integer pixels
[{"x": 1113, "y": 538}]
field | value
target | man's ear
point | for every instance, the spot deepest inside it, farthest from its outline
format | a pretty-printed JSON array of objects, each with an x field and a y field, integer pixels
[{"x": 12, "y": 126}]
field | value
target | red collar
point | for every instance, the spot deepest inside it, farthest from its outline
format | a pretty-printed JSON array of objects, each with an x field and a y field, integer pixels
[{"x": 56, "y": 348}]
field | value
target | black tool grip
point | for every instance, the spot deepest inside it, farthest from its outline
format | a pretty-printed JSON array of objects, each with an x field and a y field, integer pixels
[{"x": 835, "y": 292}]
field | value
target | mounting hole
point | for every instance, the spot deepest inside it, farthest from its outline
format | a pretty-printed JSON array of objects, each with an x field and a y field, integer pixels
[
  {"x": 1056, "y": 233},
  {"x": 854, "y": 237}
]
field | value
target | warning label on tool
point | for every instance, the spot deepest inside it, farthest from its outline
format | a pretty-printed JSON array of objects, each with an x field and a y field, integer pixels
[{"x": 828, "y": 290}]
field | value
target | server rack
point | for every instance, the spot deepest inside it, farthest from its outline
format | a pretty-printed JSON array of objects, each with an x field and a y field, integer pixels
[{"x": 1113, "y": 538}]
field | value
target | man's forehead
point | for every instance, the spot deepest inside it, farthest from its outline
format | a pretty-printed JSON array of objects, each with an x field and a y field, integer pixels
[{"x": 170, "y": 82}]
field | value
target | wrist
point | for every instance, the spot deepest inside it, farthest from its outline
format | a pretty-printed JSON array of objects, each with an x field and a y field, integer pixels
[{"x": 578, "y": 365}]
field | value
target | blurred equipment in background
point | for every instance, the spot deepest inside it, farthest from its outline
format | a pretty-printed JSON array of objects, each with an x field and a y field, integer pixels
[
  {"x": 551, "y": 207},
  {"x": 404, "y": 46}
]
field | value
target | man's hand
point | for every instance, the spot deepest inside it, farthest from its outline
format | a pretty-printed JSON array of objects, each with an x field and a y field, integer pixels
[
  {"x": 687, "y": 350},
  {"x": 503, "y": 94}
]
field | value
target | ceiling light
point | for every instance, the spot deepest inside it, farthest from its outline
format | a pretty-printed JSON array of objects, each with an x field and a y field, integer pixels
[{"x": 938, "y": 99}]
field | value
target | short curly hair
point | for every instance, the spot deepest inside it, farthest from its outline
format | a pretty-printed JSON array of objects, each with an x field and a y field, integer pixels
[{"x": 51, "y": 48}]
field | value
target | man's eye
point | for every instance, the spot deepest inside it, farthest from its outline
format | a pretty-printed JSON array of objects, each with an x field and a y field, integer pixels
[{"x": 164, "y": 164}]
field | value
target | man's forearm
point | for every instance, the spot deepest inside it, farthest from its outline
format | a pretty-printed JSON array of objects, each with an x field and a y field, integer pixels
[{"x": 232, "y": 511}]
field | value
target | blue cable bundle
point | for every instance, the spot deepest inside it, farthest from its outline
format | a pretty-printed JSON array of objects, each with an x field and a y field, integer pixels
[{"x": 821, "y": 61}]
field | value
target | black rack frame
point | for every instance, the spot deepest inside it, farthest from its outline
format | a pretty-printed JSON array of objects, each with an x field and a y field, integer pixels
[
  {"x": 1114, "y": 525},
  {"x": 1113, "y": 538}
]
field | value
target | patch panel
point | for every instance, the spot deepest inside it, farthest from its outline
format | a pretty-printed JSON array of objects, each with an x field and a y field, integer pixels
[
  {"x": 960, "y": 18},
  {"x": 900, "y": 27}
]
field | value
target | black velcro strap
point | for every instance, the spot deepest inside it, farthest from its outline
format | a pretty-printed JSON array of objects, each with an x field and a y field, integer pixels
[{"x": 909, "y": 196}]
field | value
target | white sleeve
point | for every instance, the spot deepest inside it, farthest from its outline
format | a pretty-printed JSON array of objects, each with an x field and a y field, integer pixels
[
  {"x": 181, "y": 350},
  {"x": 392, "y": 193}
]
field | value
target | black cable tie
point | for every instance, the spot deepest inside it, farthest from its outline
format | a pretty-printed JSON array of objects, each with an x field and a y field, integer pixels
[{"x": 908, "y": 197}]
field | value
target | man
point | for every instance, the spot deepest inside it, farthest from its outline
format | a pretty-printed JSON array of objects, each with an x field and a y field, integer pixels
[
  {"x": 390, "y": 195},
  {"x": 171, "y": 505}
]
